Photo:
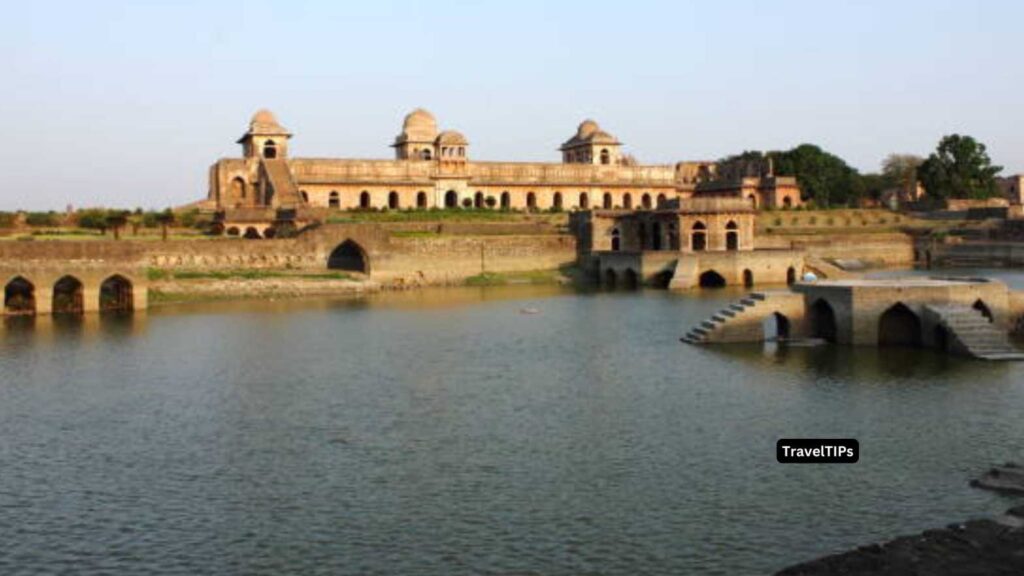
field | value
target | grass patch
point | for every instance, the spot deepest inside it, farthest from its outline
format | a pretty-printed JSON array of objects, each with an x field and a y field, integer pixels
[
  {"x": 415, "y": 234},
  {"x": 505, "y": 278}
]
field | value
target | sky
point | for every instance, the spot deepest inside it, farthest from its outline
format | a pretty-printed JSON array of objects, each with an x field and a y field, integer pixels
[{"x": 129, "y": 103}]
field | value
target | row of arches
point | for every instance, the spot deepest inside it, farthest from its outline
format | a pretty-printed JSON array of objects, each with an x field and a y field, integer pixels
[
  {"x": 479, "y": 199},
  {"x": 116, "y": 294},
  {"x": 898, "y": 325}
]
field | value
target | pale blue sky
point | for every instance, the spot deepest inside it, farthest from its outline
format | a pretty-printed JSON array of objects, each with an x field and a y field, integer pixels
[{"x": 111, "y": 103}]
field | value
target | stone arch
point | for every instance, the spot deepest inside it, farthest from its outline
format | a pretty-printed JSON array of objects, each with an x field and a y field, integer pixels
[
  {"x": 940, "y": 337},
  {"x": 699, "y": 237},
  {"x": 116, "y": 294},
  {"x": 732, "y": 236},
  {"x": 233, "y": 231},
  {"x": 393, "y": 201},
  {"x": 270, "y": 150},
  {"x": 364, "y": 200},
  {"x": 616, "y": 240},
  {"x": 630, "y": 279},
  {"x": 983, "y": 309},
  {"x": 787, "y": 202},
  {"x": 752, "y": 198},
  {"x": 421, "y": 199},
  {"x": 251, "y": 233},
  {"x": 712, "y": 279},
  {"x": 899, "y": 326},
  {"x": 238, "y": 191},
  {"x": 748, "y": 278},
  {"x": 451, "y": 199},
  {"x": 606, "y": 201},
  {"x": 791, "y": 276},
  {"x": 531, "y": 200},
  {"x": 68, "y": 296},
  {"x": 645, "y": 201},
  {"x": 605, "y": 156},
  {"x": 19, "y": 297},
  {"x": 776, "y": 326},
  {"x": 349, "y": 256},
  {"x": 627, "y": 201},
  {"x": 611, "y": 279},
  {"x": 478, "y": 199},
  {"x": 660, "y": 202},
  {"x": 506, "y": 200},
  {"x": 305, "y": 196},
  {"x": 822, "y": 319},
  {"x": 656, "y": 236},
  {"x": 334, "y": 200},
  {"x": 557, "y": 200}
]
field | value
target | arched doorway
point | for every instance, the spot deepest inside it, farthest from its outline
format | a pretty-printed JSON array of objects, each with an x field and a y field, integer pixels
[
  {"x": 116, "y": 294},
  {"x": 983, "y": 309},
  {"x": 270, "y": 150},
  {"x": 237, "y": 191},
  {"x": 607, "y": 201},
  {"x": 712, "y": 279},
  {"x": 67, "y": 296},
  {"x": 748, "y": 278},
  {"x": 776, "y": 327},
  {"x": 19, "y": 297},
  {"x": 787, "y": 202},
  {"x": 645, "y": 201},
  {"x": 334, "y": 200},
  {"x": 822, "y": 319},
  {"x": 899, "y": 326},
  {"x": 611, "y": 279},
  {"x": 349, "y": 256},
  {"x": 627, "y": 201},
  {"x": 630, "y": 279},
  {"x": 584, "y": 201},
  {"x": 699, "y": 237},
  {"x": 656, "y": 236},
  {"x": 393, "y": 203},
  {"x": 506, "y": 201},
  {"x": 940, "y": 338},
  {"x": 791, "y": 276},
  {"x": 478, "y": 200},
  {"x": 661, "y": 201},
  {"x": 251, "y": 233},
  {"x": 616, "y": 240},
  {"x": 421, "y": 200},
  {"x": 451, "y": 199},
  {"x": 605, "y": 157},
  {"x": 531, "y": 201},
  {"x": 364, "y": 200},
  {"x": 732, "y": 236},
  {"x": 558, "y": 200},
  {"x": 753, "y": 200}
]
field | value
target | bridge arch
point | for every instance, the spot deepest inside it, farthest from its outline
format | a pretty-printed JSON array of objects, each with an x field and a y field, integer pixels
[
  {"x": 611, "y": 279},
  {"x": 630, "y": 279},
  {"x": 712, "y": 279},
  {"x": 822, "y": 320},
  {"x": 776, "y": 326},
  {"x": 116, "y": 294},
  {"x": 19, "y": 297},
  {"x": 899, "y": 326},
  {"x": 68, "y": 296},
  {"x": 349, "y": 256}
]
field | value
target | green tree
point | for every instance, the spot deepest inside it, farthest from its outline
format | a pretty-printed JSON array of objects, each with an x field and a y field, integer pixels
[
  {"x": 959, "y": 168},
  {"x": 166, "y": 219},
  {"x": 115, "y": 221},
  {"x": 901, "y": 169},
  {"x": 823, "y": 177}
]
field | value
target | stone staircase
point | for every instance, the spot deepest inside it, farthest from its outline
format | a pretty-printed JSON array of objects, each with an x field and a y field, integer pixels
[
  {"x": 976, "y": 336},
  {"x": 827, "y": 269},
  {"x": 286, "y": 193},
  {"x": 703, "y": 332}
]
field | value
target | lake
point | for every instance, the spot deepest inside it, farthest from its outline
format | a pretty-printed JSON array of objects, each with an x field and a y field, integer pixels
[{"x": 445, "y": 431}]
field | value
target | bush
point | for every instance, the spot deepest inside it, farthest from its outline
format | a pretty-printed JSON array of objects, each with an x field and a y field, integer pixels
[
  {"x": 7, "y": 219},
  {"x": 42, "y": 219}
]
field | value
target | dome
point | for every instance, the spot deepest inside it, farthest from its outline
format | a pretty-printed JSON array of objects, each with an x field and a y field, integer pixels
[
  {"x": 451, "y": 137},
  {"x": 265, "y": 117},
  {"x": 586, "y": 128},
  {"x": 418, "y": 126}
]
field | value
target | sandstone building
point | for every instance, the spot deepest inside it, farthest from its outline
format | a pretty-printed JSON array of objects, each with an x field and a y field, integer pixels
[{"x": 432, "y": 168}]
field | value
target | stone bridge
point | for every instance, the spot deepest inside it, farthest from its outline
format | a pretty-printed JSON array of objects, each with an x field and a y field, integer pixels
[{"x": 677, "y": 271}]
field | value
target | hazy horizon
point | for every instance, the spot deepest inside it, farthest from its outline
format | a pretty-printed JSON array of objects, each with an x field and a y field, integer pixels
[{"x": 128, "y": 104}]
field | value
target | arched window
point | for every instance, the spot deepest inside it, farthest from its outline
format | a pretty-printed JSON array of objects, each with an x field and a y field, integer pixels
[
  {"x": 364, "y": 200},
  {"x": 305, "y": 196},
  {"x": 270, "y": 150},
  {"x": 791, "y": 276},
  {"x": 661, "y": 201},
  {"x": 645, "y": 201},
  {"x": 421, "y": 199},
  {"x": 462, "y": 151},
  {"x": 451, "y": 199},
  {"x": 237, "y": 189},
  {"x": 699, "y": 237},
  {"x": 732, "y": 236},
  {"x": 607, "y": 201},
  {"x": 426, "y": 154},
  {"x": 616, "y": 241},
  {"x": 334, "y": 200},
  {"x": 627, "y": 201},
  {"x": 584, "y": 200},
  {"x": 558, "y": 200},
  {"x": 531, "y": 201},
  {"x": 787, "y": 202},
  {"x": 752, "y": 198},
  {"x": 605, "y": 156},
  {"x": 506, "y": 200},
  {"x": 478, "y": 199},
  {"x": 393, "y": 203}
]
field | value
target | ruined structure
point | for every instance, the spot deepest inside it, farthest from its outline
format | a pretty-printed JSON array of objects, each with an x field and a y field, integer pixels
[
  {"x": 966, "y": 316},
  {"x": 432, "y": 168}
]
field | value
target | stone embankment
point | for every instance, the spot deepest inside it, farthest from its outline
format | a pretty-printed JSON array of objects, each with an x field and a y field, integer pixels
[
  {"x": 990, "y": 547},
  {"x": 283, "y": 287}
]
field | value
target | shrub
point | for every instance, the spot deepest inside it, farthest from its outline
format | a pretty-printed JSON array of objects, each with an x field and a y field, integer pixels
[{"x": 38, "y": 219}]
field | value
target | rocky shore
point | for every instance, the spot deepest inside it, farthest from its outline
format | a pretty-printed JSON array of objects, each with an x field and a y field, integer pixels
[{"x": 988, "y": 547}]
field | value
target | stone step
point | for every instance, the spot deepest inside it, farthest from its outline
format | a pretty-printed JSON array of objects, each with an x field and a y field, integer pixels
[
  {"x": 719, "y": 318},
  {"x": 708, "y": 324},
  {"x": 748, "y": 301},
  {"x": 737, "y": 307},
  {"x": 756, "y": 296},
  {"x": 727, "y": 312}
]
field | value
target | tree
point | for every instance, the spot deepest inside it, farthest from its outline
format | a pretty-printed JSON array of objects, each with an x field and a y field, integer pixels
[
  {"x": 165, "y": 218},
  {"x": 115, "y": 221},
  {"x": 824, "y": 178},
  {"x": 959, "y": 168},
  {"x": 901, "y": 170}
]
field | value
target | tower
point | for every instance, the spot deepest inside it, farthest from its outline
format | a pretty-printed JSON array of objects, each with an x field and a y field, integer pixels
[
  {"x": 265, "y": 137},
  {"x": 591, "y": 145},
  {"x": 416, "y": 142}
]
